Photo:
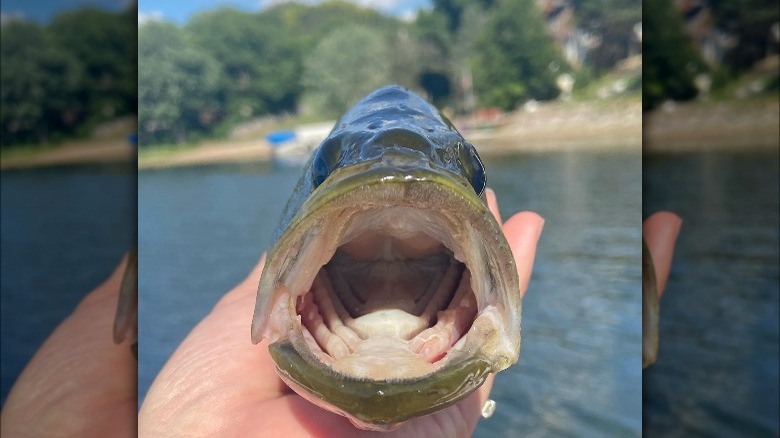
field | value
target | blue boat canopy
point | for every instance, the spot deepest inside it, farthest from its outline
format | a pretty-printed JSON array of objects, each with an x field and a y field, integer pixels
[{"x": 278, "y": 137}]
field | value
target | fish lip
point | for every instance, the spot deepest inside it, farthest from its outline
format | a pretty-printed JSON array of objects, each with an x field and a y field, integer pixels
[{"x": 380, "y": 405}]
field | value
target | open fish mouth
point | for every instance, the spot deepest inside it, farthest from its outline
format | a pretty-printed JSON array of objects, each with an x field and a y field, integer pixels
[{"x": 391, "y": 293}]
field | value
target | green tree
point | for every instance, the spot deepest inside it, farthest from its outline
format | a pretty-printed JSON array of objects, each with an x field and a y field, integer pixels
[
  {"x": 347, "y": 64},
  {"x": 454, "y": 10},
  {"x": 670, "y": 62},
  {"x": 105, "y": 43},
  {"x": 516, "y": 59},
  {"x": 39, "y": 86},
  {"x": 435, "y": 45},
  {"x": 310, "y": 24},
  {"x": 261, "y": 62},
  {"x": 177, "y": 85}
]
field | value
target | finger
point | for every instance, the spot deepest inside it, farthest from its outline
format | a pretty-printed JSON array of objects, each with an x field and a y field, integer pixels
[
  {"x": 484, "y": 390},
  {"x": 522, "y": 233},
  {"x": 660, "y": 232},
  {"x": 493, "y": 204}
]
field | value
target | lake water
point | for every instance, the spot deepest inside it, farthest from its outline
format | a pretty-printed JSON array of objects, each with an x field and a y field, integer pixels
[
  {"x": 63, "y": 231},
  {"x": 202, "y": 228},
  {"x": 717, "y": 368}
]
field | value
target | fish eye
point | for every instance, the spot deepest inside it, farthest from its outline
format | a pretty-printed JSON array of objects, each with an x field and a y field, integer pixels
[
  {"x": 473, "y": 169},
  {"x": 324, "y": 161}
]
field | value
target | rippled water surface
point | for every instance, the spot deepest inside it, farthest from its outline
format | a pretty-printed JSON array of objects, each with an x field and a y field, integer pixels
[
  {"x": 717, "y": 368},
  {"x": 201, "y": 229}
]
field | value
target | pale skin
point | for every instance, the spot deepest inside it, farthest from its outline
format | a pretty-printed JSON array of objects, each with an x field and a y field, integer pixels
[{"x": 660, "y": 231}]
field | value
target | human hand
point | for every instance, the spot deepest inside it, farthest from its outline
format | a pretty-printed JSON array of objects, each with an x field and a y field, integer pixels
[
  {"x": 79, "y": 383},
  {"x": 660, "y": 232},
  {"x": 218, "y": 384}
]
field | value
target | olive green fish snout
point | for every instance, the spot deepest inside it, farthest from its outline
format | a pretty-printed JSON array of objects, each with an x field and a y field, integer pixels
[{"x": 650, "y": 309}]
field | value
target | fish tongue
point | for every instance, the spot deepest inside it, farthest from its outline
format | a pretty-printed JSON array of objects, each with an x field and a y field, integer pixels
[{"x": 389, "y": 323}]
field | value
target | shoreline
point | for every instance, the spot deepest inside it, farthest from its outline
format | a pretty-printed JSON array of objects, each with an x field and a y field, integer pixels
[
  {"x": 72, "y": 152},
  {"x": 751, "y": 125},
  {"x": 618, "y": 125}
]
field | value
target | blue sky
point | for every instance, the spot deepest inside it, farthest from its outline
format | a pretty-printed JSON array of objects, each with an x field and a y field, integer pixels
[
  {"x": 179, "y": 11},
  {"x": 42, "y": 10}
]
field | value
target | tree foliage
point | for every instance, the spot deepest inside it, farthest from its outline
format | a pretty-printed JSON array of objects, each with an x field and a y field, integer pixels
[
  {"x": 260, "y": 62},
  {"x": 516, "y": 60},
  {"x": 105, "y": 43},
  {"x": 62, "y": 79},
  {"x": 177, "y": 85},
  {"x": 347, "y": 64},
  {"x": 670, "y": 61}
]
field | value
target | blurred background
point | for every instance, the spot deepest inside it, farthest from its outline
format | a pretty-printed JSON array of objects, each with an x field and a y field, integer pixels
[
  {"x": 712, "y": 128},
  {"x": 233, "y": 98},
  {"x": 67, "y": 163}
]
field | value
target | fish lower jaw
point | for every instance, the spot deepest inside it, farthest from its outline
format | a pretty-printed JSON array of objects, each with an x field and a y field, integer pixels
[{"x": 384, "y": 343}]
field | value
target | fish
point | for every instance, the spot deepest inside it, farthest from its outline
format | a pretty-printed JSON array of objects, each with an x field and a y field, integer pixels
[
  {"x": 650, "y": 309},
  {"x": 390, "y": 292},
  {"x": 126, "y": 316}
]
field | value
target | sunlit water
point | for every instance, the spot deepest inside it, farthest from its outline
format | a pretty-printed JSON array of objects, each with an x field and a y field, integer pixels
[
  {"x": 201, "y": 229},
  {"x": 63, "y": 231},
  {"x": 717, "y": 368}
]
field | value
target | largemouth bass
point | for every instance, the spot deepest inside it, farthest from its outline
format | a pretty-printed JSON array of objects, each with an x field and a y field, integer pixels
[
  {"x": 650, "y": 309},
  {"x": 391, "y": 291}
]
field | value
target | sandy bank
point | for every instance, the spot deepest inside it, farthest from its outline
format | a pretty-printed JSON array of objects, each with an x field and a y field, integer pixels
[
  {"x": 733, "y": 125},
  {"x": 105, "y": 151},
  {"x": 208, "y": 153},
  {"x": 567, "y": 126}
]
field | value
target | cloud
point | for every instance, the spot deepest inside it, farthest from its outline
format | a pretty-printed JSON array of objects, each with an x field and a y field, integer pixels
[
  {"x": 146, "y": 17},
  {"x": 7, "y": 17}
]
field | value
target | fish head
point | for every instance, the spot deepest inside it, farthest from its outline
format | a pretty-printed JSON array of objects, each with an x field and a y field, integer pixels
[{"x": 391, "y": 293}]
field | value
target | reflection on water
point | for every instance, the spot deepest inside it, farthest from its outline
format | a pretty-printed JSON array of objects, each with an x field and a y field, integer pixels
[
  {"x": 580, "y": 368},
  {"x": 717, "y": 368},
  {"x": 63, "y": 231},
  {"x": 202, "y": 229}
]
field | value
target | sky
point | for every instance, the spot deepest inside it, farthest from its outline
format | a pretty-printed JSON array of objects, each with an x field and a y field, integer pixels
[
  {"x": 42, "y": 11},
  {"x": 180, "y": 11}
]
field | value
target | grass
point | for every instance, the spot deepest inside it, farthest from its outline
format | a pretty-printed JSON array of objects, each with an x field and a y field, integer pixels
[
  {"x": 163, "y": 151},
  {"x": 26, "y": 151}
]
